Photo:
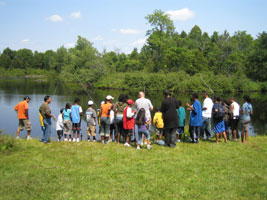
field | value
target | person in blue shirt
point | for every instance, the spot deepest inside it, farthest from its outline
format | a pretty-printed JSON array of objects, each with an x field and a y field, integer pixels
[
  {"x": 76, "y": 113},
  {"x": 195, "y": 118},
  {"x": 246, "y": 111}
]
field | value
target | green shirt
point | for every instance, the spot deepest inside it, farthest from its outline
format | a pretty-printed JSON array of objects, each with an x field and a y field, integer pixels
[
  {"x": 45, "y": 110},
  {"x": 181, "y": 116}
]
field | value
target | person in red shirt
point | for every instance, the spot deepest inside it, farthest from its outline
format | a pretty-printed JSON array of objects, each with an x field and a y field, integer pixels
[
  {"x": 22, "y": 109},
  {"x": 128, "y": 122}
]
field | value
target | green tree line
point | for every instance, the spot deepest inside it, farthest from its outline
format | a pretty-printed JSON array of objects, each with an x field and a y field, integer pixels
[{"x": 167, "y": 58}]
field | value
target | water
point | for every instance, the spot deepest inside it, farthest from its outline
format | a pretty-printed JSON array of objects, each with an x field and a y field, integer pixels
[{"x": 12, "y": 91}]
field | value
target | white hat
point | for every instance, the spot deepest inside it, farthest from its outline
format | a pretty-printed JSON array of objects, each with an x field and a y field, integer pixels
[
  {"x": 102, "y": 102},
  {"x": 109, "y": 97},
  {"x": 90, "y": 103}
]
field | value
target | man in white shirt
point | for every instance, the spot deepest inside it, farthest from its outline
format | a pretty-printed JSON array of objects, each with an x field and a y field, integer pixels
[{"x": 206, "y": 116}]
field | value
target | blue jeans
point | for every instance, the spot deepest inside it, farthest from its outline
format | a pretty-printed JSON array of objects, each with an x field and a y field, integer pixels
[
  {"x": 118, "y": 122},
  {"x": 43, "y": 133},
  {"x": 47, "y": 131},
  {"x": 105, "y": 126},
  {"x": 194, "y": 133},
  {"x": 206, "y": 127},
  {"x": 140, "y": 132}
]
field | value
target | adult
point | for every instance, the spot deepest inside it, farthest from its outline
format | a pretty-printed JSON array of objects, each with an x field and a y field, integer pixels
[
  {"x": 22, "y": 109},
  {"x": 170, "y": 118},
  {"x": 195, "y": 118},
  {"x": 234, "y": 108},
  {"x": 46, "y": 114},
  {"x": 206, "y": 116},
  {"x": 226, "y": 118},
  {"x": 105, "y": 119},
  {"x": 118, "y": 111},
  {"x": 76, "y": 113},
  {"x": 246, "y": 111}
]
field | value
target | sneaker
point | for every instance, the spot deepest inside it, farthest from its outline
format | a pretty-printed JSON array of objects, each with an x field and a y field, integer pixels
[
  {"x": 103, "y": 141},
  {"x": 149, "y": 146},
  {"x": 17, "y": 137},
  {"x": 178, "y": 140},
  {"x": 138, "y": 148},
  {"x": 88, "y": 140},
  {"x": 94, "y": 140},
  {"x": 58, "y": 140},
  {"x": 142, "y": 143},
  {"x": 145, "y": 142},
  {"x": 110, "y": 140},
  {"x": 69, "y": 139},
  {"x": 73, "y": 140},
  {"x": 65, "y": 139},
  {"x": 78, "y": 140},
  {"x": 127, "y": 144},
  {"x": 29, "y": 137}
]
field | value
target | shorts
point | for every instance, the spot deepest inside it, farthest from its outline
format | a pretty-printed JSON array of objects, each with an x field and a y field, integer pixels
[
  {"x": 76, "y": 126},
  {"x": 91, "y": 130},
  {"x": 159, "y": 131},
  {"x": 180, "y": 130},
  {"x": 244, "y": 125},
  {"x": 67, "y": 126},
  {"x": 234, "y": 124},
  {"x": 128, "y": 132},
  {"x": 24, "y": 123},
  {"x": 219, "y": 127}
]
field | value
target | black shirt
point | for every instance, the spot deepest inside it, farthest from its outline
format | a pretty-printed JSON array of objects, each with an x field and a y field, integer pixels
[{"x": 168, "y": 109}]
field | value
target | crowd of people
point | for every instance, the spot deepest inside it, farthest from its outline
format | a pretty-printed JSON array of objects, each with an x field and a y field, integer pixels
[{"x": 129, "y": 122}]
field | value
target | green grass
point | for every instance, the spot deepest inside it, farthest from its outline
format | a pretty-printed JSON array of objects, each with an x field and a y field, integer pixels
[{"x": 96, "y": 171}]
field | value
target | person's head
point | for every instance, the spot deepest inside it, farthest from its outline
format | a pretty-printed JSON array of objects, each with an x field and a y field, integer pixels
[
  {"x": 166, "y": 93},
  {"x": 130, "y": 102},
  {"x": 77, "y": 101},
  {"x": 232, "y": 99},
  {"x": 247, "y": 98},
  {"x": 217, "y": 99},
  {"x": 225, "y": 102},
  {"x": 157, "y": 109},
  {"x": 179, "y": 103},
  {"x": 109, "y": 98},
  {"x": 90, "y": 103},
  {"x": 195, "y": 96},
  {"x": 47, "y": 99},
  {"x": 204, "y": 94},
  {"x": 122, "y": 98},
  {"x": 141, "y": 94},
  {"x": 61, "y": 110},
  {"x": 67, "y": 106},
  {"x": 27, "y": 98},
  {"x": 140, "y": 118}
]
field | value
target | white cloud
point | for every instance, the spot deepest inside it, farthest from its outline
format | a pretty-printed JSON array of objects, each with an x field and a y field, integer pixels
[
  {"x": 25, "y": 41},
  {"x": 130, "y": 31},
  {"x": 55, "y": 18},
  {"x": 76, "y": 15},
  {"x": 69, "y": 45},
  {"x": 181, "y": 15},
  {"x": 139, "y": 43},
  {"x": 98, "y": 38}
]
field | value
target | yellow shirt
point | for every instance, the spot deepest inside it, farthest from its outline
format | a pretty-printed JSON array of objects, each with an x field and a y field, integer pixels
[
  {"x": 158, "y": 121},
  {"x": 41, "y": 119}
]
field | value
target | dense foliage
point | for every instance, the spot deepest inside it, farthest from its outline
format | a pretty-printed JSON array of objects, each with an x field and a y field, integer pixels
[{"x": 181, "y": 61}]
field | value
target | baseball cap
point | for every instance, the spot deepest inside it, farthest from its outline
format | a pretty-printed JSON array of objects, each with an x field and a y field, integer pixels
[
  {"x": 130, "y": 101},
  {"x": 90, "y": 103},
  {"x": 109, "y": 97}
]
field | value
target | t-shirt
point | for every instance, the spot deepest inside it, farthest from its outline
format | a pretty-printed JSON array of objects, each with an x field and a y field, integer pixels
[
  {"x": 196, "y": 114},
  {"x": 45, "y": 111},
  {"x": 144, "y": 103},
  {"x": 91, "y": 117},
  {"x": 111, "y": 114},
  {"x": 105, "y": 109},
  {"x": 143, "y": 126},
  {"x": 66, "y": 114},
  {"x": 158, "y": 120},
  {"x": 181, "y": 116},
  {"x": 75, "y": 113},
  {"x": 119, "y": 108},
  {"x": 60, "y": 125},
  {"x": 247, "y": 107},
  {"x": 21, "y": 108},
  {"x": 207, "y": 104},
  {"x": 168, "y": 109},
  {"x": 235, "y": 110}
]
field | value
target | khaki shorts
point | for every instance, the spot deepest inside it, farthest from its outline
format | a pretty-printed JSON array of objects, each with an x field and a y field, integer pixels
[
  {"x": 24, "y": 123},
  {"x": 244, "y": 125},
  {"x": 67, "y": 126},
  {"x": 91, "y": 130}
]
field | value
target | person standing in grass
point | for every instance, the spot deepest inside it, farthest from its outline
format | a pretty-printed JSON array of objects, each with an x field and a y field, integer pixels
[
  {"x": 60, "y": 125},
  {"x": 67, "y": 122},
  {"x": 76, "y": 113},
  {"x": 226, "y": 118},
  {"x": 218, "y": 114},
  {"x": 234, "y": 108},
  {"x": 246, "y": 111},
  {"x": 206, "y": 116},
  {"x": 158, "y": 122},
  {"x": 128, "y": 122},
  {"x": 91, "y": 119},
  {"x": 195, "y": 118},
  {"x": 181, "y": 120},
  {"x": 141, "y": 122},
  {"x": 22, "y": 109},
  {"x": 170, "y": 118},
  {"x": 105, "y": 119},
  {"x": 46, "y": 114}
]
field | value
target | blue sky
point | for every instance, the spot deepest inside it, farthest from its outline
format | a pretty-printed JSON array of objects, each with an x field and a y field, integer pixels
[{"x": 118, "y": 25}]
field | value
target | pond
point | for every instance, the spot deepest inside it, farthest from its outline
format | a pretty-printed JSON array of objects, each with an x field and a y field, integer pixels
[{"x": 12, "y": 91}]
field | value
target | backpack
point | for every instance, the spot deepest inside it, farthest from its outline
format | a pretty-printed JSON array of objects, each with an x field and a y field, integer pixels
[{"x": 221, "y": 112}]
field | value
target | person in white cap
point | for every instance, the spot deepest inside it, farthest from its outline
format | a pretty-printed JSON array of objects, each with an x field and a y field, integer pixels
[{"x": 91, "y": 118}]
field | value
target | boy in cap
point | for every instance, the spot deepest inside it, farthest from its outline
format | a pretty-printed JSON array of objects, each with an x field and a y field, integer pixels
[
  {"x": 91, "y": 118},
  {"x": 128, "y": 121}
]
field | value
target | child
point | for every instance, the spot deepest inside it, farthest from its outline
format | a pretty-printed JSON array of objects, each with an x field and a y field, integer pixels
[
  {"x": 181, "y": 120},
  {"x": 76, "y": 113},
  {"x": 67, "y": 121},
  {"x": 105, "y": 119},
  {"x": 91, "y": 121},
  {"x": 60, "y": 125},
  {"x": 158, "y": 122},
  {"x": 141, "y": 122},
  {"x": 128, "y": 121}
]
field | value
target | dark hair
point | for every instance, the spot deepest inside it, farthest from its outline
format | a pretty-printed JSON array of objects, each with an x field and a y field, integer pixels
[
  {"x": 157, "y": 109},
  {"x": 46, "y": 98},
  {"x": 61, "y": 110},
  {"x": 179, "y": 103},
  {"x": 204, "y": 92},
  {"x": 122, "y": 98},
  {"x": 68, "y": 105},
  {"x": 27, "y": 97},
  {"x": 77, "y": 100},
  {"x": 140, "y": 119},
  {"x": 166, "y": 93},
  {"x": 195, "y": 95},
  {"x": 226, "y": 102},
  {"x": 247, "y": 98},
  {"x": 216, "y": 98}
]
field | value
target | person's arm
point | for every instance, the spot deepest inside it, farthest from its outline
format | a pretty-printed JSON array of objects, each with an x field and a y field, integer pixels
[
  {"x": 48, "y": 113},
  {"x": 190, "y": 107},
  {"x": 155, "y": 119},
  {"x": 129, "y": 113},
  {"x": 16, "y": 108},
  {"x": 81, "y": 111},
  {"x": 148, "y": 122},
  {"x": 150, "y": 105}
]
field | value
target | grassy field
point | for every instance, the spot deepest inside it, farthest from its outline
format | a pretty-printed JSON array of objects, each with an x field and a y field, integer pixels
[{"x": 33, "y": 170}]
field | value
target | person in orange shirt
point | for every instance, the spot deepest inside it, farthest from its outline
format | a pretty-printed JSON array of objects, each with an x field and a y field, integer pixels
[
  {"x": 105, "y": 119},
  {"x": 22, "y": 109}
]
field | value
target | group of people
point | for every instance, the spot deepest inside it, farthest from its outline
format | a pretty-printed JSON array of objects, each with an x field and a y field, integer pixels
[{"x": 131, "y": 120}]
